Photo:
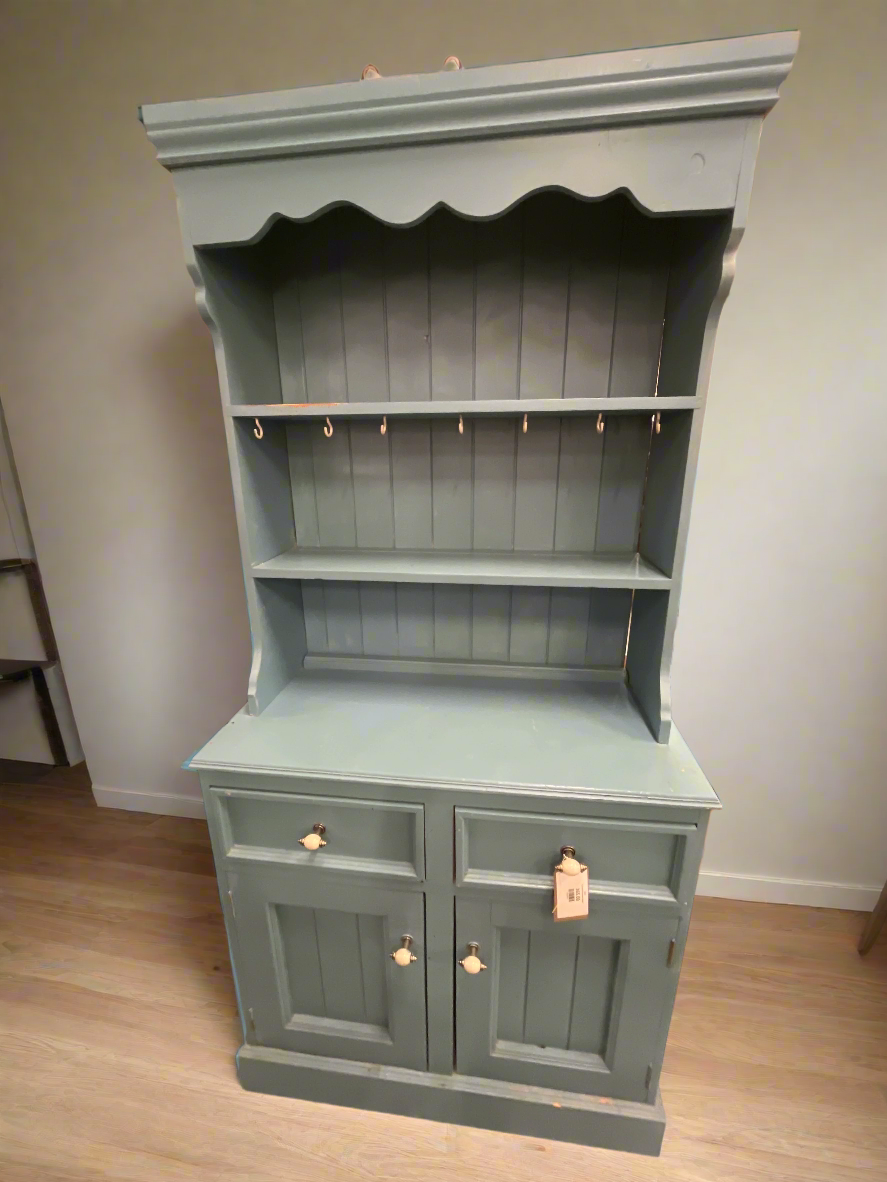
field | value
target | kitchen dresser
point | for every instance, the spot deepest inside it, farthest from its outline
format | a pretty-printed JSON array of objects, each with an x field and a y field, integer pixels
[{"x": 463, "y": 324}]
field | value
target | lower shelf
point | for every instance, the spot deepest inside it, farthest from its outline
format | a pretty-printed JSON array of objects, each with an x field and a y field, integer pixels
[
  {"x": 512, "y": 568},
  {"x": 457, "y": 1099},
  {"x": 461, "y": 729}
]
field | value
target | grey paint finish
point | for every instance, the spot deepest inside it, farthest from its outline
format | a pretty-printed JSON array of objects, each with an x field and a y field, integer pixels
[
  {"x": 231, "y": 203},
  {"x": 607, "y": 970},
  {"x": 487, "y": 407},
  {"x": 457, "y": 1099},
  {"x": 340, "y": 1026},
  {"x": 513, "y": 309},
  {"x": 505, "y": 568},
  {"x": 464, "y": 638},
  {"x": 637, "y": 859},
  {"x": 371, "y": 837},
  {"x": 555, "y": 736},
  {"x": 317, "y": 969},
  {"x": 737, "y": 74}
]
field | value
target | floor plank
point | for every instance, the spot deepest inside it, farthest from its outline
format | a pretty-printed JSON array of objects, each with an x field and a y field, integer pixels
[{"x": 119, "y": 1024}]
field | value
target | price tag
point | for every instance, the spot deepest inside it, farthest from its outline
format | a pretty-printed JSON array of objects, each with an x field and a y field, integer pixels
[{"x": 570, "y": 894}]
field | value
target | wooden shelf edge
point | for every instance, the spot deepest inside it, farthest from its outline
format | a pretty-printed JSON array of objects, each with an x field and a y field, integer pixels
[
  {"x": 515, "y": 570},
  {"x": 469, "y": 407}
]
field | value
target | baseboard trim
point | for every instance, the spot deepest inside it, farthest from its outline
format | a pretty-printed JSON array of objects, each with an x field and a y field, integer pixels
[
  {"x": 165, "y": 803},
  {"x": 842, "y": 896},
  {"x": 456, "y": 1099},
  {"x": 753, "y": 888}
]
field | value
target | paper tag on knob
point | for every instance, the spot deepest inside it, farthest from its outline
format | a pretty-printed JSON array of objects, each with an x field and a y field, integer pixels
[{"x": 571, "y": 894}]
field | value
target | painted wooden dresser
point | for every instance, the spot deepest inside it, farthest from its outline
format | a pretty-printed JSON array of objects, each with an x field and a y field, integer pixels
[{"x": 463, "y": 325}]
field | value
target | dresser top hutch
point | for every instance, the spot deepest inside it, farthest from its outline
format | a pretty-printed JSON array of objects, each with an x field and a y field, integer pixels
[{"x": 537, "y": 252}]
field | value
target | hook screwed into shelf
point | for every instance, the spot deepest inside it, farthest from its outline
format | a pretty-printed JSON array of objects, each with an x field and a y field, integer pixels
[
  {"x": 600, "y": 424},
  {"x": 383, "y": 430},
  {"x": 461, "y": 426},
  {"x": 657, "y": 422},
  {"x": 525, "y": 424},
  {"x": 257, "y": 430},
  {"x": 328, "y": 429}
]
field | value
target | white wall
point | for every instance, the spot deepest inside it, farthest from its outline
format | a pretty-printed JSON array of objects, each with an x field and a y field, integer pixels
[{"x": 781, "y": 664}]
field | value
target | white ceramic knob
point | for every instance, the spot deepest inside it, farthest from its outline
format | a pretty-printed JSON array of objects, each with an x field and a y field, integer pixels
[
  {"x": 472, "y": 963},
  {"x": 403, "y": 956},
  {"x": 313, "y": 841},
  {"x": 570, "y": 866}
]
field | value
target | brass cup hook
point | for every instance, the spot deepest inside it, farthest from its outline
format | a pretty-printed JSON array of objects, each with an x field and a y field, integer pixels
[
  {"x": 257, "y": 430},
  {"x": 328, "y": 429}
]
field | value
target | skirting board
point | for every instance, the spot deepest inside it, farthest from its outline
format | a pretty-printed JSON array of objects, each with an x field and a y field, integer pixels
[
  {"x": 456, "y": 1099},
  {"x": 842, "y": 896},
  {"x": 753, "y": 888},
  {"x": 167, "y": 803}
]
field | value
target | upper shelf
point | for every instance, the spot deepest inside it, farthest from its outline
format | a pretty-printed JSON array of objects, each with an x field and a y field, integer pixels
[
  {"x": 480, "y": 406},
  {"x": 507, "y": 568}
]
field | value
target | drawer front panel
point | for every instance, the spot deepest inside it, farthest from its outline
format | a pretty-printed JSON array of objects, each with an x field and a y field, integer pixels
[
  {"x": 363, "y": 836},
  {"x": 632, "y": 859}
]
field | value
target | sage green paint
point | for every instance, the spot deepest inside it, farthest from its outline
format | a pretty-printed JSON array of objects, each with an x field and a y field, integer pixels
[
  {"x": 573, "y": 1005},
  {"x": 463, "y": 363}
]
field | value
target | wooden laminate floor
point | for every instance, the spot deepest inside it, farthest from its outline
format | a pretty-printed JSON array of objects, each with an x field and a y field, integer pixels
[{"x": 118, "y": 1030}]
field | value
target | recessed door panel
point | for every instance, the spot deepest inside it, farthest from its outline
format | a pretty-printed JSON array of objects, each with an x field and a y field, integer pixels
[
  {"x": 575, "y": 1005},
  {"x": 317, "y": 973}
]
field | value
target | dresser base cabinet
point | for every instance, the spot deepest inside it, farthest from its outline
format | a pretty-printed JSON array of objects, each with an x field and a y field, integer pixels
[
  {"x": 464, "y": 325},
  {"x": 560, "y": 1034},
  {"x": 457, "y": 1099}
]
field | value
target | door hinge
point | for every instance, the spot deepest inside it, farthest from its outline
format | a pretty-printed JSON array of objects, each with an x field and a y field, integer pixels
[
  {"x": 671, "y": 947},
  {"x": 649, "y": 1077},
  {"x": 233, "y": 910}
]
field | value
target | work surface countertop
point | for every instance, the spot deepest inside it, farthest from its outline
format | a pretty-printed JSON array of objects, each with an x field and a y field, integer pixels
[{"x": 546, "y": 735}]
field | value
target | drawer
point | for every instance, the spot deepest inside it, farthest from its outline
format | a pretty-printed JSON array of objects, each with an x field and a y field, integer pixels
[
  {"x": 634, "y": 859},
  {"x": 368, "y": 836}
]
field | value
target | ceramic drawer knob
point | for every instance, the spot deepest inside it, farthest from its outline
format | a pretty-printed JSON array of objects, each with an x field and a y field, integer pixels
[
  {"x": 569, "y": 864},
  {"x": 472, "y": 963},
  {"x": 314, "y": 840},
  {"x": 403, "y": 956}
]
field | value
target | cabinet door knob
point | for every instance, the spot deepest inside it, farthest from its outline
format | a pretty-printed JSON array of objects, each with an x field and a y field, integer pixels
[
  {"x": 314, "y": 840},
  {"x": 403, "y": 956},
  {"x": 472, "y": 963},
  {"x": 568, "y": 863}
]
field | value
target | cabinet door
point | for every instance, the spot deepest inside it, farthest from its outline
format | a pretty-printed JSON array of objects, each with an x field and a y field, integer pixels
[
  {"x": 316, "y": 972},
  {"x": 575, "y": 1005}
]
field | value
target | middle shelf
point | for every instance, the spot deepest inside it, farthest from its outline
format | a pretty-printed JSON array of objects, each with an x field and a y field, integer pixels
[{"x": 513, "y": 568}]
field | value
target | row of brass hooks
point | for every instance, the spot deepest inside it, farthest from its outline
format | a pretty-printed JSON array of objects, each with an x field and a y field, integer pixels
[{"x": 383, "y": 429}]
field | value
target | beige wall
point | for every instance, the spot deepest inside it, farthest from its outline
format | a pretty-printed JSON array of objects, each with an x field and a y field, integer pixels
[{"x": 110, "y": 395}]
